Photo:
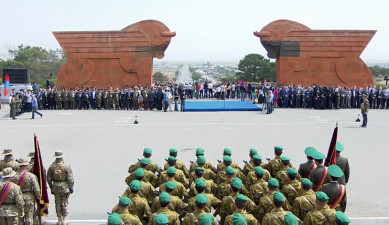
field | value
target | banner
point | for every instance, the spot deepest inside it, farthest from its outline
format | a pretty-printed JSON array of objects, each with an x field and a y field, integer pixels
[{"x": 331, "y": 155}]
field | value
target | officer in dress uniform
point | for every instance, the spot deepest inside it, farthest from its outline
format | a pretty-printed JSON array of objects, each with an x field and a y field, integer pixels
[
  {"x": 342, "y": 162},
  {"x": 364, "y": 110},
  {"x": 306, "y": 168},
  {"x": 336, "y": 192}
]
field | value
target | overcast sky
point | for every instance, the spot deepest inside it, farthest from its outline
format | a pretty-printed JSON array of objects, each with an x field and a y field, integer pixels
[{"x": 207, "y": 30}]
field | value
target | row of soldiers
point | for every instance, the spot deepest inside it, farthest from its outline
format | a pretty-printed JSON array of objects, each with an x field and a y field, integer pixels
[
  {"x": 260, "y": 193},
  {"x": 21, "y": 192}
]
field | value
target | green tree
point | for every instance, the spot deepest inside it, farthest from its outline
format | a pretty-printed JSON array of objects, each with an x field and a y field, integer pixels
[
  {"x": 378, "y": 70},
  {"x": 159, "y": 77},
  {"x": 196, "y": 76},
  {"x": 254, "y": 67}
]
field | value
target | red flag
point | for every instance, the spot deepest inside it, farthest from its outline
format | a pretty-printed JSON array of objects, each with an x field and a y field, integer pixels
[
  {"x": 331, "y": 155},
  {"x": 39, "y": 171}
]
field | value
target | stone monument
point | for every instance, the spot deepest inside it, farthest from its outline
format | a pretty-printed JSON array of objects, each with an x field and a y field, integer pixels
[
  {"x": 325, "y": 57},
  {"x": 112, "y": 58}
]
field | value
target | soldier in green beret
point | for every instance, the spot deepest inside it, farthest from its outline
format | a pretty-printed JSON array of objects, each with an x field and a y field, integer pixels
[
  {"x": 207, "y": 219},
  {"x": 161, "y": 219},
  {"x": 164, "y": 200},
  {"x": 199, "y": 174},
  {"x": 292, "y": 187},
  {"x": 114, "y": 219},
  {"x": 227, "y": 207},
  {"x": 260, "y": 187},
  {"x": 148, "y": 175},
  {"x": 342, "y": 162},
  {"x": 141, "y": 207},
  {"x": 200, "y": 187},
  {"x": 238, "y": 219},
  {"x": 176, "y": 203},
  {"x": 266, "y": 204},
  {"x": 180, "y": 190},
  {"x": 306, "y": 168},
  {"x": 335, "y": 191},
  {"x": 147, "y": 191},
  {"x": 206, "y": 165},
  {"x": 290, "y": 219},
  {"x": 277, "y": 215},
  {"x": 274, "y": 165},
  {"x": 152, "y": 166},
  {"x": 305, "y": 203},
  {"x": 123, "y": 210},
  {"x": 322, "y": 214},
  {"x": 341, "y": 218},
  {"x": 249, "y": 166},
  {"x": 257, "y": 161},
  {"x": 282, "y": 174},
  {"x": 240, "y": 203},
  {"x": 227, "y": 162},
  {"x": 201, "y": 202},
  {"x": 224, "y": 188},
  {"x": 178, "y": 164},
  {"x": 319, "y": 174},
  {"x": 208, "y": 173}
]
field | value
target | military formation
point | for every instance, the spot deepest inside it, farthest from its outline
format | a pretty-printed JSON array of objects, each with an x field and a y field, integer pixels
[
  {"x": 21, "y": 191},
  {"x": 259, "y": 193}
]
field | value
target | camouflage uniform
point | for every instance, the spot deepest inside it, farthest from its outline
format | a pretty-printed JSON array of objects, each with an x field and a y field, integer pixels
[
  {"x": 9, "y": 161},
  {"x": 249, "y": 166},
  {"x": 291, "y": 190},
  {"x": 266, "y": 205},
  {"x": 304, "y": 204},
  {"x": 222, "y": 176},
  {"x": 147, "y": 191},
  {"x": 12, "y": 206},
  {"x": 149, "y": 177},
  {"x": 251, "y": 178},
  {"x": 61, "y": 181},
  {"x": 153, "y": 167},
  {"x": 193, "y": 218},
  {"x": 127, "y": 218},
  {"x": 213, "y": 202},
  {"x": 208, "y": 175},
  {"x": 176, "y": 205},
  {"x": 258, "y": 190},
  {"x": 211, "y": 188},
  {"x": 180, "y": 166},
  {"x": 224, "y": 189},
  {"x": 179, "y": 177},
  {"x": 139, "y": 207},
  {"x": 173, "y": 216},
  {"x": 207, "y": 165},
  {"x": 320, "y": 216},
  {"x": 276, "y": 216},
  {"x": 227, "y": 207},
  {"x": 221, "y": 166},
  {"x": 180, "y": 191},
  {"x": 250, "y": 219}
]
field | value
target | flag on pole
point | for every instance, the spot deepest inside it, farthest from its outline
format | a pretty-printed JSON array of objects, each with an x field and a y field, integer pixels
[
  {"x": 264, "y": 83},
  {"x": 39, "y": 171},
  {"x": 331, "y": 155},
  {"x": 6, "y": 84}
]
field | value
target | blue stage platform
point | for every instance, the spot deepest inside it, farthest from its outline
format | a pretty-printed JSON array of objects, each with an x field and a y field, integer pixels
[{"x": 206, "y": 106}]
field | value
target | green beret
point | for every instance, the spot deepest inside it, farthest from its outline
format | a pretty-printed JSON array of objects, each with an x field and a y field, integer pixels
[
  {"x": 259, "y": 171},
  {"x": 278, "y": 197},
  {"x": 199, "y": 151},
  {"x": 335, "y": 171},
  {"x": 200, "y": 183},
  {"x": 171, "y": 159},
  {"x": 114, "y": 219},
  {"x": 147, "y": 151},
  {"x": 164, "y": 197},
  {"x": 171, "y": 185},
  {"x": 310, "y": 151},
  {"x": 318, "y": 156},
  {"x": 341, "y": 218},
  {"x": 227, "y": 158},
  {"x": 206, "y": 219},
  {"x": 236, "y": 183},
  {"x": 273, "y": 182},
  {"x": 339, "y": 147},
  {"x": 124, "y": 201},
  {"x": 292, "y": 172},
  {"x": 241, "y": 198},
  {"x": 199, "y": 169},
  {"x": 285, "y": 159},
  {"x": 145, "y": 161},
  {"x": 306, "y": 183},
  {"x": 229, "y": 170},
  {"x": 253, "y": 152},
  {"x": 257, "y": 157},
  {"x": 201, "y": 199},
  {"x": 290, "y": 219},
  {"x": 171, "y": 170},
  {"x": 227, "y": 151},
  {"x": 278, "y": 148},
  {"x": 321, "y": 196},
  {"x": 135, "y": 185},
  {"x": 201, "y": 160},
  {"x": 173, "y": 151},
  {"x": 139, "y": 173},
  {"x": 238, "y": 219},
  {"x": 161, "y": 219}
]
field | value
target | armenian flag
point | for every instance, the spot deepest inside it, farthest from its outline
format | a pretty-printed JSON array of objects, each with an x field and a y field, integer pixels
[{"x": 6, "y": 84}]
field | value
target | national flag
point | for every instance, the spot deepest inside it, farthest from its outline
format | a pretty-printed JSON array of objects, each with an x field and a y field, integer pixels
[
  {"x": 39, "y": 171},
  {"x": 6, "y": 84},
  {"x": 331, "y": 155},
  {"x": 264, "y": 83}
]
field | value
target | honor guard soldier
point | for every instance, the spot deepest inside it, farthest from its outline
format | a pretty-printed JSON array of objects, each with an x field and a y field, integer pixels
[
  {"x": 180, "y": 190},
  {"x": 149, "y": 175},
  {"x": 306, "y": 168},
  {"x": 208, "y": 173},
  {"x": 11, "y": 200},
  {"x": 257, "y": 161},
  {"x": 201, "y": 202},
  {"x": 207, "y": 165},
  {"x": 240, "y": 203},
  {"x": 322, "y": 214},
  {"x": 211, "y": 186},
  {"x": 224, "y": 189},
  {"x": 341, "y": 218},
  {"x": 290, "y": 219},
  {"x": 176, "y": 204},
  {"x": 161, "y": 219},
  {"x": 179, "y": 175},
  {"x": 260, "y": 187},
  {"x": 200, "y": 187},
  {"x": 207, "y": 219},
  {"x": 139, "y": 206},
  {"x": 282, "y": 175},
  {"x": 249, "y": 166},
  {"x": 336, "y": 192},
  {"x": 114, "y": 219},
  {"x": 222, "y": 165},
  {"x": 164, "y": 200},
  {"x": 305, "y": 203},
  {"x": 292, "y": 188},
  {"x": 277, "y": 214},
  {"x": 274, "y": 165},
  {"x": 61, "y": 181},
  {"x": 342, "y": 162},
  {"x": 31, "y": 155},
  {"x": 147, "y": 191},
  {"x": 31, "y": 191},
  {"x": 153, "y": 166},
  {"x": 123, "y": 210},
  {"x": 8, "y": 161},
  {"x": 179, "y": 164},
  {"x": 319, "y": 174},
  {"x": 221, "y": 175}
]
